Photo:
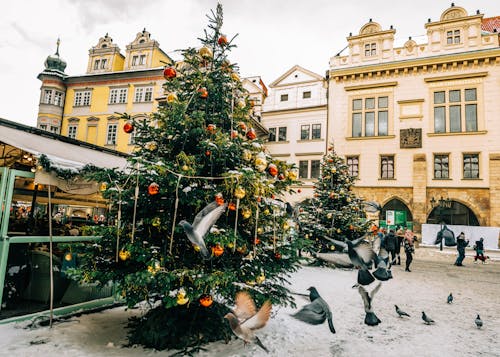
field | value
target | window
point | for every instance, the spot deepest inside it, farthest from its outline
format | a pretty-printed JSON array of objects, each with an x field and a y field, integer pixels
[
  {"x": 284, "y": 97},
  {"x": 143, "y": 94},
  {"x": 82, "y": 98},
  {"x": 370, "y": 116},
  {"x": 96, "y": 64},
  {"x": 370, "y": 49},
  {"x": 142, "y": 59},
  {"x": 58, "y": 99},
  {"x": 315, "y": 164},
  {"x": 353, "y": 165},
  {"x": 303, "y": 169},
  {"x": 441, "y": 167},
  {"x": 387, "y": 167},
  {"x": 135, "y": 60},
  {"x": 72, "y": 131},
  {"x": 282, "y": 134},
  {"x": 272, "y": 134},
  {"x": 47, "y": 96},
  {"x": 54, "y": 129},
  {"x": 471, "y": 166},
  {"x": 455, "y": 110},
  {"x": 103, "y": 63},
  {"x": 316, "y": 131},
  {"x": 43, "y": 126},
  {"x": 304, "y": 132},
  {"x": 111, "y": 134},
  {"x": 452, "y": 37},
  {"x": 118, "y": 95},
  {"x": 306, "y": 95}
]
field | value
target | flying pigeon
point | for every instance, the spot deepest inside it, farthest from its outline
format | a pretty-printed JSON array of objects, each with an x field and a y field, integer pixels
[
  {"x": 361, "y": 255},
  {"x": 316, "y": 312},
  {"x": 478, "y": 321},
  {"x": 450, "y": 299},
  {"x": 400, "y": 312},
  {"x": 427, "y": 319},
  {"x": 370, "y": 318},
  {"x": 201, "y": 224},
  {"x": 245, "y": 319}
]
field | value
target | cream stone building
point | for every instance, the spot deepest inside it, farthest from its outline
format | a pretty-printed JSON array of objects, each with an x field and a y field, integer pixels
[
  {"x": 295, "y": 113},
  {"x": 419, "y": 121}
]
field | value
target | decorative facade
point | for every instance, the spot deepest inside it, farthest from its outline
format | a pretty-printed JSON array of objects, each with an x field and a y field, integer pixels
[{"x": 418, "y": 122}]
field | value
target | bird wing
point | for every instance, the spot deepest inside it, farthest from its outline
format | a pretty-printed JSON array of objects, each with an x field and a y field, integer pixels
[
  {"x": 365, "y": 297},
  {"x": 313, "y": 313},
  {"x": 245, "y": 307},
  {"x": 377, "y": 245},
  {"x": 365, "y": 252},
  {"x": 336, "y": 242},
  {"x": 207, "y": 217},
  {"x": 375, "y": 290},
  {"x": 260, "y": 319}
]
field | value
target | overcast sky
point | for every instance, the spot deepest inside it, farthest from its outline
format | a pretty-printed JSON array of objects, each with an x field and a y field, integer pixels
[{"x": 273, "y": 35}]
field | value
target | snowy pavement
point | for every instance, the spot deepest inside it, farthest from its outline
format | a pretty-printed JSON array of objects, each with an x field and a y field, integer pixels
[{"x": 476, "y": 289}]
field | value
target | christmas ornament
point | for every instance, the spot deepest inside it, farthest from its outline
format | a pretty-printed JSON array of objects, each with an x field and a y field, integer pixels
[
  {"x": 222, "y": 41},
  {"x": 205, "y": 52},
  {"x": 208, "y": 153},
  {"x": 128, "y": 127},
  {"x": 292, "y": 175},
  {"x": 203, "y": 92},
  {"x": 211, "y": 128},
  {"x": 251, "y": 134},
  {"x": 206, "y": 300},
  {"x": 241, "y": 104},
  {"x": 299, "y": 190},
  {"x": 247, "y": 155},
  {"x": 260, "y": 162},
  {"x": 230, "y": 245},
  {"x": 239, "y": 192},
  {"x": 256, "y": 241},
  {"x": 219, "y": 199},
  {"x": 235, "y": 77},
  {"x": 153, "y": 188},
  {"x": 246, "y": 213},
  {"x": 151, "y": 146},
  {"x": 281, "y": 177},
  {"x": 231, "y": 206},
  {"x": 330, "y": 160},
  {"x": 104, "y": 186},
  {"x": 277, "y": 255},
  {"x": 272, "y": 169},
  {"x": 124, "y": 254},
  {"x": 68, "y": 257},
  {"x": 234, "y": 134},
  {"x": 171, "y": 97},
  {"x": 217, "y": 250},
  {"x": 242, "y": 126},
  {"x": 242, "y": 249},
  {"x": 332, "y": 247},
  {"x": 185, "y": 167},
  {"x": 181, "y": 297},
  {"x": 169, "y": 73},
  {"x": 154, "y": 268},
  {"x": 334, "y": 170},
  {"x": 260, "y": 279},
  {"x": 156, "y": 222}
]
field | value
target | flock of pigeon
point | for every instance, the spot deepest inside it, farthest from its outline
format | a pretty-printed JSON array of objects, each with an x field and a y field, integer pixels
[{"x": 245, "y": 319}]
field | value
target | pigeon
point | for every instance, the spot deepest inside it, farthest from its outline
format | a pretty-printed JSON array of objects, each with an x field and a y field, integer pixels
[
  {"x": 478, "y": 321},
  {"x": 361, "y": 256},
  {"x": 201, "y": 224},
  {"x": 400, "y": 312},
  {"x": 316, "y": 312},
  {"x": 370, "y": 318},
  {"x": 245, "y": 319},
  {"x": 427, "y": 319},
  {"x": 450, "y": 299}
]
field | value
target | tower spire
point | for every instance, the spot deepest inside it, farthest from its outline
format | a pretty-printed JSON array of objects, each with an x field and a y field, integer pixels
[{"x": 58, "y": 42}]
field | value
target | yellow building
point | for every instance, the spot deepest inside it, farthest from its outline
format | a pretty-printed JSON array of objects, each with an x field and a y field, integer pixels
[
  {"x": 84, "y": 107},
  {"x": 418, "y": 121}
]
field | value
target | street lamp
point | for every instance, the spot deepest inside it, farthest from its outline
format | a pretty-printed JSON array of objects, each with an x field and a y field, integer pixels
[{"x": 442, "y": 204}]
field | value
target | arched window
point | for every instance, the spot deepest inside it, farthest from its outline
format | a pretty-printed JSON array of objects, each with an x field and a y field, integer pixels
[
  {"x": 457, "y": 214},
  {"x": 396, "y": 205}
]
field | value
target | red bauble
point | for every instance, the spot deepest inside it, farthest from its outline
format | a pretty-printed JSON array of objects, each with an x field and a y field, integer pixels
[
  {"x": 222, "y": 41},
  {"x": 169, "y": 73},
  {"x": 208, "y": 153},
  {"x": 211, "y": 128},
  {"x": 256, "y": 240},
  {"x": 219, "y": 199},
  {"x": 251, "y": 134},
  {"x": 203, "y": 93},
  {"x": 281, "y": 177},
  {"x": 128, "y": 127},
  {"x": 272, "y": 169},
  {"x": 299, "y": 190},
  {"x": 153, "y": 188},
  {"x": 277, "y": 255}
]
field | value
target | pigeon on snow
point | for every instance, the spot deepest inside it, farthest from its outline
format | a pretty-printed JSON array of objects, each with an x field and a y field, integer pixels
[
  {"x": 316, "y": 312},
  {"x": 400, "y": 312},
  {"x": 370, "y": 318},
  {"x": 201, "y": 224},
  {"x": 245, "y": 319},
  {"x": 450, "y": 299},
  {"x": 427, "y": 319},
  {"x": 478, "y": 321}
]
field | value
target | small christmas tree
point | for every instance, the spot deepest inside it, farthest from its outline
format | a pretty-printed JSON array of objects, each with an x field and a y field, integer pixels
[
  {"x": 334, "y": 211},
  {"x": 200, "y": 147}
]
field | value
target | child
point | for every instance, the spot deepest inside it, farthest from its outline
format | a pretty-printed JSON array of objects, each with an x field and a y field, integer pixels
[{"x": 479, "y": 247}]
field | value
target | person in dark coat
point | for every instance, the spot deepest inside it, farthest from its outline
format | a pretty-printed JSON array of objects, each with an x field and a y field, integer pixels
[
  {"x": 400, "y": 236},
  {"x": 479, "y": 247},
  {"x": 461, "y": 244},
  {"x": 390, "y": 244},
  {"x": 409, "y": 248}
]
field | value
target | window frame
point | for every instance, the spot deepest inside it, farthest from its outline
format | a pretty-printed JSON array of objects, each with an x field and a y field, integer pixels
[
  {"x": 351, "y": 165},
  {"x": 306, "y": 94},
  {"x": 118, "y": 95},
  {"x": 284, "y": 97},
  {"x": 282, "y": 133},
  {"x": 390, "y": 163},
  {"x": 315, "y": 169},
  {"x": 456, "y": 110},
  {"x": 272, "y": 134},
  {"x": 82, "y": 98},
  {"x": 72, "y": 130},
  {"x": 143, "y": 94},
  {"x": 370, "y": 113},
  {"x": 305, "y": 129},
  {"x": 441, "y": 156},
  {"x": 112, "y": 133},
  {"x": 470, "y": 156},
  {"x": 302, "y": 168},
  {"x": 316, "y": 131}
]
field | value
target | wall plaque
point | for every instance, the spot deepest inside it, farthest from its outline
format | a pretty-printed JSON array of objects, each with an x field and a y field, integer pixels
[{"x": 410, "y": 138}]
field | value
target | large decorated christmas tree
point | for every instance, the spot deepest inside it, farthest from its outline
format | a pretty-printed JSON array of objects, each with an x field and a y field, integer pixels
[
  {"x": 334, "y": 211},
  {"x": 198, "y": 165}
]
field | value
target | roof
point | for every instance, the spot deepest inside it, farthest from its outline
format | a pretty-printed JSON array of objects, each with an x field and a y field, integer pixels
[
  {"x": 63, "y": 152},
  {"x": 491, "y": 24}
]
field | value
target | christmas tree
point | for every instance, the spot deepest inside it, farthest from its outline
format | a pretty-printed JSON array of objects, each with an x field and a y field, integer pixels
[
  {"x": 334, "y": 211},
  {"x": 198, "y": 152}
]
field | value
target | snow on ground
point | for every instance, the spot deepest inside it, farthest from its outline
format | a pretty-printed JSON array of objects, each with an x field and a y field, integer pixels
[{"x": 476, "y": 289}]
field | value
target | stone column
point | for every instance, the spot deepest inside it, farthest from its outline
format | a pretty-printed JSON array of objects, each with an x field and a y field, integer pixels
[
  {"x": 494, "y": 217},
  {"x": 419, "y": 191}
]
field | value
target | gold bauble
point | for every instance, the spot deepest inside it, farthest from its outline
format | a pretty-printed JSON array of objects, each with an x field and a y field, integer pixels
[
  {"x": 156, "y": 222},
  {"x": 247, "y": 155},
  {"x": 260, "y": 279},
  {"x": 151, "y": 145},
  {"x": 260, "y": 230},
  {"x": 185, "y": 167},
  {"x": 239, "y": 192},
  {"x": 332, "y": 247},
  {"x": 171, "y": 97},
  {"x": 205, "y": 52},
  {"x": 286, "y": 226},
  {"x": 68, "y": 257},
  {"x": 104, "y": 186},
  {"x": 124, "y": 254},
  {"x": 260, "y": 164},
  {"x": 235, "y": 77},
  {"x": 292, "y": 175},
  {"x": 246, "y": 213}
]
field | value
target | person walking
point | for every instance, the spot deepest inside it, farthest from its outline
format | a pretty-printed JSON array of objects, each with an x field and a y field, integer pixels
[
  {"x": 479, "y": 248},
  {"x": 461, "y": 244},
  {"x": 390, "y": 244},
  {"x": 409, "y": 247},
  {"x": 399, "y": 236}
]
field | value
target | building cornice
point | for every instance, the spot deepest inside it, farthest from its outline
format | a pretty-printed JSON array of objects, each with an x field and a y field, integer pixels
[
  {"x": 370, "y": 86},
  {"x": 456, "y": 76},
  {"x": 295, "y": 110}
]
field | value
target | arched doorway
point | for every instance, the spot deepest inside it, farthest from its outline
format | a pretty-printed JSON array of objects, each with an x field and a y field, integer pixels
[
  {"x": 457, "y": 214},
  {"x": 396, "y": 205}
]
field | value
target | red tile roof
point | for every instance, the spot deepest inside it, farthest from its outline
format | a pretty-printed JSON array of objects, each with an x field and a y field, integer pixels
[{"x": 490, "y": 24}]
